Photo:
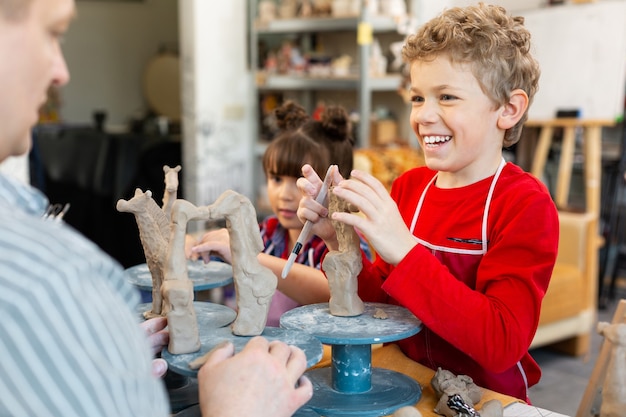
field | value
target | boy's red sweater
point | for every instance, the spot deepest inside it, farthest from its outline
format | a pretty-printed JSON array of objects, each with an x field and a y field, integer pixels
[{"x": 482, "y": 324}]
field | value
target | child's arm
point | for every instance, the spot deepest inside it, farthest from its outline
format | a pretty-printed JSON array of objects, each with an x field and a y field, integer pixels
[
  {"x": 304, "y": 284},
  {"x": 214, "y": 242}
]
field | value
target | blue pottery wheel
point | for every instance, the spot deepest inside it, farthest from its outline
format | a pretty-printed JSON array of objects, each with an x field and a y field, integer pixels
[
  {"x": 208, "y": 314},
  {"x": 211, "y": 337},
  {"x": 350, "y": 387},
  {"x": 205, "y": 276}
]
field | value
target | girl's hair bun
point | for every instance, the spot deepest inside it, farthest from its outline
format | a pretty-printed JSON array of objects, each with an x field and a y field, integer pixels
[
  {"x": 290, "y": 116},
  {"x": 336, "y": 123}
]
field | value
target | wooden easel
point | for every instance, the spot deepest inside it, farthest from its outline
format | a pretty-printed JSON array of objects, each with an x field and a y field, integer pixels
[
  {"x": 582, "y": 301},
  {"x": 598, "y": 374},
  {"x": 592, "y": 131}
]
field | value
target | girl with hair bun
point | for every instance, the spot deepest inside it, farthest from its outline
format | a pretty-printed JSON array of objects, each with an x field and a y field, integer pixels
[{"x": 301, "y": 140}]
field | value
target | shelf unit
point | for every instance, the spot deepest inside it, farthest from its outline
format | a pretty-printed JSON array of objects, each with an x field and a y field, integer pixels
[{"x": 306, "y": 86}]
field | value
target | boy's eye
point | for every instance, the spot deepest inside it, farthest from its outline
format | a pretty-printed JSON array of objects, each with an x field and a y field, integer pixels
[
  {"x": 447, "y": 97},
  {"x": 417, "y": 99}
]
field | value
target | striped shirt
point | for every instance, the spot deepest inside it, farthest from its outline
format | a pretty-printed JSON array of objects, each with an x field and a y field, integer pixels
[{"x": 70, "y": 344}]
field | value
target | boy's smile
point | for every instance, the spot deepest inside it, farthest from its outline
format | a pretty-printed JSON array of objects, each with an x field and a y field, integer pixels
[{"x": 455, "y": 121}]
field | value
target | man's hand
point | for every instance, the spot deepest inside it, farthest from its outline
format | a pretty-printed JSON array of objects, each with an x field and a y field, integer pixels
[{"x": 263, "y": 380}]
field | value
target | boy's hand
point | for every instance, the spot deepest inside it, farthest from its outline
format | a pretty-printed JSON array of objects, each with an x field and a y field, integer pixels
[{"x": 380, "y": 221}]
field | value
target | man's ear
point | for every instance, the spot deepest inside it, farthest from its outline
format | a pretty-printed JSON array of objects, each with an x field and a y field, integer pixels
[{"x": 513, "y": 111}]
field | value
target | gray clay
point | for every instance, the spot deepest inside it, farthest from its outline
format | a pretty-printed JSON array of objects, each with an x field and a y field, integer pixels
[{"x": 446, "y": 384}]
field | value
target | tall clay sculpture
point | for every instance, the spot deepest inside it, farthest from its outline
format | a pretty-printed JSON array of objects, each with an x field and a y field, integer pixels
[
  {"x": 254, "y": 284},
  {"x": 154, "y": 233},
  {"x": 177, "y": 289},
  {"x": 342, "y": 267},
  {"x": 163, "y": 241}
]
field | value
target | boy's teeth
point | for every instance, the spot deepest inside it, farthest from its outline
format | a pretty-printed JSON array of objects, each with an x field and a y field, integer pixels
[{"x": 436, "y": 139}]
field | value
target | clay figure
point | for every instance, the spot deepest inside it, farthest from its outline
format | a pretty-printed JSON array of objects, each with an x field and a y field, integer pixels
[
  {"x": 380, "y": 314},
  {"x": 343, "y": 266},
  {"x": 458, "y": 395},
  {"x": 154, "y": 232},
  {"x": 181, "y": 316},
  {"x": 254, "y": 283},
  {"x": 171, "y": 188},
  {"x": 614, "y": 386}
]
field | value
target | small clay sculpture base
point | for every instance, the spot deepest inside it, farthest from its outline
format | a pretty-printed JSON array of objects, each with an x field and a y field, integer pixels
[{"x": 181, "y": 316}]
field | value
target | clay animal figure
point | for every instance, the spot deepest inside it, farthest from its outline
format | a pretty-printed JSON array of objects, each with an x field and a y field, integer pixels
[
  {"x": 614, "y": 386},
  {"x": 154, "y": 233},
  {"x": 342, "y": 266},
  {"x": 254, "y": 284},
  {"x": 171, "y": 188},
  {"x": 181, "y": 316}
]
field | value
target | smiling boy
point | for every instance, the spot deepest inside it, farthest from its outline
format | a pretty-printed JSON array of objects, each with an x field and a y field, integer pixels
[{"x": 467, "y": 243}]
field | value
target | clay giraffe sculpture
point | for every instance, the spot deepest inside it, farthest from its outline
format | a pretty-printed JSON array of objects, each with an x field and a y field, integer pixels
[
  {"x": 254, "y": 284},
  {"x": 614, "y": 386},
  {"x": 154, "y": 232},
  {"x": 170, "y": 193},
  {"x": 342, "y": 266}
]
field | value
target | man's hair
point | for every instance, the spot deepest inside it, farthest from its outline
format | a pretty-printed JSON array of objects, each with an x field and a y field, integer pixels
[
  {"x": 495, "y": 45},
  {"x": 14, "y": 9}
]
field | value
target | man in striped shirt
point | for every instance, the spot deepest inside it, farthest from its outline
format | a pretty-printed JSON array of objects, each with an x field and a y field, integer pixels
[{"x": 70, "y": 344}]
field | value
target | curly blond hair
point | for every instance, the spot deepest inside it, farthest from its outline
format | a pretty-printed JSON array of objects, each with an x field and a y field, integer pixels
[{"x": 496, "y": 46}]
